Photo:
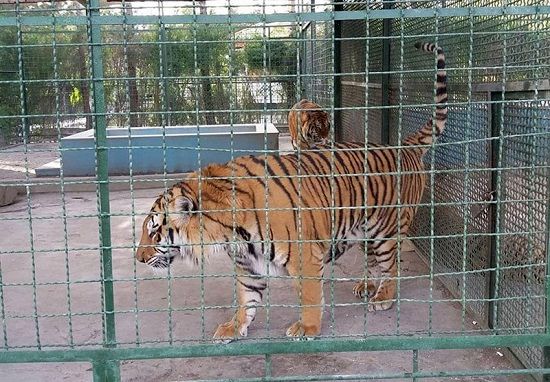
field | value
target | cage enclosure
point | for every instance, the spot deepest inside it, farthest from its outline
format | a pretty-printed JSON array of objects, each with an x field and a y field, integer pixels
[{"x": 472, "y": 272}]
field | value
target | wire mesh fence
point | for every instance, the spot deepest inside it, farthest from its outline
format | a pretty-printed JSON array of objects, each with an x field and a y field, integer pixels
[{"x": 135, "y": 80}]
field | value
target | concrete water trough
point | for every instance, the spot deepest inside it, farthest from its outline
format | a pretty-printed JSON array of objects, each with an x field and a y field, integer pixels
[{"x": 181, "y": 143}]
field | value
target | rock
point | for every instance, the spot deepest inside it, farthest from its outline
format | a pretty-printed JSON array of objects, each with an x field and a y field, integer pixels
[{"x": 8, "y": 194}]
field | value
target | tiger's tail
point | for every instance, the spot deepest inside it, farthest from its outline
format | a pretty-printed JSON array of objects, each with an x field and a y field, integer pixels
[{"x": 428, "y": 132}]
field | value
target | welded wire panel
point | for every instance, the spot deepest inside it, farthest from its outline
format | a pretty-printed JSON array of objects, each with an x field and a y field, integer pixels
[
  {"x": 354, "y": 46},
  {"x": 523, "y": 248},
  {"x": 449, "y": 217},
  {"x": 151, "y": 86},
  {"x": 318, "y": 63}
]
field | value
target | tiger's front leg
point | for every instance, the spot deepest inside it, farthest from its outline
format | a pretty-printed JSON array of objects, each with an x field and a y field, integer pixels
[
  {"x": 249, "y": 295},
  {"x": 310, "y": 290}
]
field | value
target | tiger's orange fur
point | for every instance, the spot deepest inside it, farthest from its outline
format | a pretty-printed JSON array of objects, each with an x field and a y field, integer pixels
[{"x": 233, "y": 203}]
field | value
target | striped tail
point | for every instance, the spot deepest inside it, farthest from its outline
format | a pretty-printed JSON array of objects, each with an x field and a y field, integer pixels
[{"x": 428, "y": 132}]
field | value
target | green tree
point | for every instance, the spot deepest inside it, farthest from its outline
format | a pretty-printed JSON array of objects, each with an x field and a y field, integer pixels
[{"x": 279, "y": 58}]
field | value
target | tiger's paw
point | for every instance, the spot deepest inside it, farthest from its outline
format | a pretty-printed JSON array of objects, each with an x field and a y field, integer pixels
[
  {"x": 229, "y": 332},
  {"x": 359, "y": 289},
  {"x": 299, "y": 331},
  {"x": 379, "y": 304}
]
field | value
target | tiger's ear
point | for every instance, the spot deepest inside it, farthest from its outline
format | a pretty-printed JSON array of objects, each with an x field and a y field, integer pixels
[{"x": 181, "y": 207}]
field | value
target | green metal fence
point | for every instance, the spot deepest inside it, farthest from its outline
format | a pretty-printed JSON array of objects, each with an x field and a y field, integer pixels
[{"x": 70, "y": 289}]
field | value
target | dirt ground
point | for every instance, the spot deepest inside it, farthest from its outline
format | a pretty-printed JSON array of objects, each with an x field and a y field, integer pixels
[{"x": 77, "y": 260}]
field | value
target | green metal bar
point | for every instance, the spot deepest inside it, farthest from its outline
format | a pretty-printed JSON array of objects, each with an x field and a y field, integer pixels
[
  {"x": 106, "y": 370},
  {"x": 337, "y": 81},
  {"x": 415, "y": 365},
  {"x": 164, "y": 64},
  {"x": 62, "y": 186},
  {"x": 24, "y": 97},
  {"x": 386, "y": 62},
  {"x": 377, "y": 376},
  {"x": 26, "y": 140},
  {"x": 546, "y": 349},
  {"x": 496, "y": 111},
  {"x": 278, "y": 347},
  {"x": 285, "y": 17},
  {"x": 99, "y": 112}
]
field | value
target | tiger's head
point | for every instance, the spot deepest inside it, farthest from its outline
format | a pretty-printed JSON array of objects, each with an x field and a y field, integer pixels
[
  {"x": 161, "y": 241},
  {"x": 175, "y": 228},
  {"x": 319, "y": 128},
  {"x": 309, "y": 124}
]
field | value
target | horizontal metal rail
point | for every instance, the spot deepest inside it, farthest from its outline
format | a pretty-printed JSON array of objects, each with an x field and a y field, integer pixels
[
  {"x": 247, "y": 348},
  {"x": 278, "y": 17}
]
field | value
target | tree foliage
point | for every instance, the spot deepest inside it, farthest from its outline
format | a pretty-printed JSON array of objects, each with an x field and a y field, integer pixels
[{"x": 209, "y": 67}]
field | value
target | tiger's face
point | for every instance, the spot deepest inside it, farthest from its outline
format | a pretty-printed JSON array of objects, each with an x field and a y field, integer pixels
[
  {"x": 309, "y": 125},
  {"x": 161, "y": 240},
  {"x": 319, "y": 128}
]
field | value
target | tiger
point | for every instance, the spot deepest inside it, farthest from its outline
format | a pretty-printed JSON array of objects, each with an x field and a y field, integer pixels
[
  {"x": 308, "y": 124},
  {"x": 293, "y": 214}
]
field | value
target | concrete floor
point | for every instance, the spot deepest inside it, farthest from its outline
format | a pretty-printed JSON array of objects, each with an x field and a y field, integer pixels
[
  {"x": 16, "y": 159},
  {"x": 82, "y": 263}
]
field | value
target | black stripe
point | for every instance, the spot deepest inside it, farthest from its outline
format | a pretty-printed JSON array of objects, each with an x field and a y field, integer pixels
[
  {"x": 277, "y": 181},
  {"x": 440, "y": 91},
  {"x": 252, "y": 288},
  {"x": 281, "y": 165},
  {"x": 320, "y": 171},
  {"x": 217, "y": 221},
  {"x": 251, "y": 174},
  {"x": 246, "y": 236},
  {"x": 237, "y": 189}
]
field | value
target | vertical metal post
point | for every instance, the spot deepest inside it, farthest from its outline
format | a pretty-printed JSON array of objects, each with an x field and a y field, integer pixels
[
  {"x": 166, "y": 105},
  {"x": 337, "y": 80},
  {"x": 546, "y": 349},
  {"x": 386, "y": 32},
  {"x": 106, "y": 370},
  {"x": 496, "y": 110},
  {"x": 270, "y": 81},
  {"x": 415, "y": 365},
  {"x": 26, "y": 125}
]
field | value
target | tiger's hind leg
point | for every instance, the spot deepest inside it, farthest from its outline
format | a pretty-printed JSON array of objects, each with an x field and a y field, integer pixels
[
  {"x": 249, "y": 295},
  {"x": 386, "y": 257}
]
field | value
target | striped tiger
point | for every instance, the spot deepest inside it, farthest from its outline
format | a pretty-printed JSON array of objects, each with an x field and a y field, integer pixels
[
  {"x": 290, "y": 215},
  {"x": 308, "y": 124}
]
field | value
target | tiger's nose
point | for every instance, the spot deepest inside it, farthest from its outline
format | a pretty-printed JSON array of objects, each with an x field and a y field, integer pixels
[{"x": 141, "y": 255}]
